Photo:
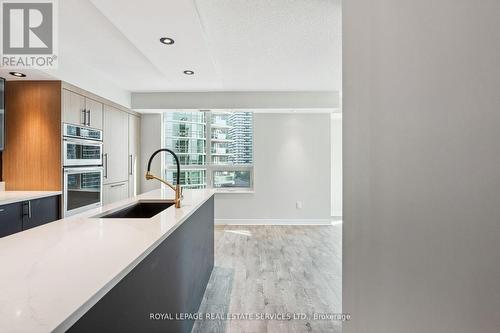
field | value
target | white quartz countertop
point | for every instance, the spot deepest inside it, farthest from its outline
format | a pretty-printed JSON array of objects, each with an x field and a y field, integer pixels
[
  {"x": 51, "y": 275},
  {"x": 7, "y": 197}
]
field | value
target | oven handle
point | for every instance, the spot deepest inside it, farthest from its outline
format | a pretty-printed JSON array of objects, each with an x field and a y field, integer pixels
[
  {"x": 83, "y": 169},
  {"x": 83, "y": 141}
]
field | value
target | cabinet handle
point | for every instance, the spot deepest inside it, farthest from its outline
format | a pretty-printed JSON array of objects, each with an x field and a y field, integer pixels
[
  {"x": 88, "y": 118},
  {"x": 106, "y": 165},
  {"x": 84, "y": 117},
  {"x": 131, "y": 165},
  {"x": 2, "y": 210},
  {"x": 29, "y": 209},
  {"x": 117, "y": 185}
]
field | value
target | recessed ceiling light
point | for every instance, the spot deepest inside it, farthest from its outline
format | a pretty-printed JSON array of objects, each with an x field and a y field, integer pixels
[
  {"x": 17, "y": 74},
  {"x": 188, "y": 72},
  {"x": 167, "y": 41}
]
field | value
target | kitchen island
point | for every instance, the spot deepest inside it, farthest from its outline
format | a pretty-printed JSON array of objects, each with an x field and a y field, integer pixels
[{"x": 84, "y": 273}]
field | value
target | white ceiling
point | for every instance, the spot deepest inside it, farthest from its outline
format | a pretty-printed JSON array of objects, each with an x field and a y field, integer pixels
[
  {"x": 284, "y": 45},
  {"x": 232, "y": 45}
]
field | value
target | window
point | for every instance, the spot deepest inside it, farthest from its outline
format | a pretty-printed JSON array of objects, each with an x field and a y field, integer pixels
[{"x": 215, "y": 148}]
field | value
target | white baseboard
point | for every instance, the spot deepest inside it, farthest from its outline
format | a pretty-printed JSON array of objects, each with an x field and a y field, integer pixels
[{"x": 273, "y": 221}]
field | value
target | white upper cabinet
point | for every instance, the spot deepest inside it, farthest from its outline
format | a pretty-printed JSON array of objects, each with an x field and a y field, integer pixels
[
  {"x": 94, "y": 113},
  {"x": 116, "y": 142},
  {"x": 134, "y": 135},
  {"x": 81, "y": 110},
  {"x": 73, "y": 108}
]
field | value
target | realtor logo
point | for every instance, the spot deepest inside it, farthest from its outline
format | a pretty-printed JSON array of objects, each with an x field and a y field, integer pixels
[{"x": 28, "y": 33}]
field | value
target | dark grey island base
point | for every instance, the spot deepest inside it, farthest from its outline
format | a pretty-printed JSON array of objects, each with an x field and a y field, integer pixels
[{"x": 170, "y": 280}]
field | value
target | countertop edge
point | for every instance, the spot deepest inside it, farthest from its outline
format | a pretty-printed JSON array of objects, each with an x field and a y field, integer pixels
[
  {"x": 25, "y": 195},
  {"x": 77, "y": 314}
]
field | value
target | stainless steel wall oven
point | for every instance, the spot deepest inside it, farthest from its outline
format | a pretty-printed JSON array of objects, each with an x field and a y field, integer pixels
[{"x": 83, "y": 171}]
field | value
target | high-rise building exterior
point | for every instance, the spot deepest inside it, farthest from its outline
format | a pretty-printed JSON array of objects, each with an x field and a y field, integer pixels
[
  {"x": 185, "y": 134},
  {"x": 241, "y": 134},
  {"x": 215, "y": 149}
]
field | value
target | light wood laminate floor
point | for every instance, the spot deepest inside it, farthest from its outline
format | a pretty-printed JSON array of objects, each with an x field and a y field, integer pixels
[{"x": 274, "y": 269}]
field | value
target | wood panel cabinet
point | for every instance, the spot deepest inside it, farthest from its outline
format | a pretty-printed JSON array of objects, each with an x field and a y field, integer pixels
[
  {"x": 115, "y": 192},
  {"x": 116, "y": 157},
  {"x": 81, "y": 110},
  {"x": 24, "y": 215},
  {"x": 32, "y": 155},
  {"x": 134, "y": 135}
]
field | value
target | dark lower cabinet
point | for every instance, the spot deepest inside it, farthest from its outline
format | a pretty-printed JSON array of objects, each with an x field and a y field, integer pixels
[
  {"x": 25, "y": 215},
  {"x": 11, "y": 219},
  {"x": 40, "y": 211}
]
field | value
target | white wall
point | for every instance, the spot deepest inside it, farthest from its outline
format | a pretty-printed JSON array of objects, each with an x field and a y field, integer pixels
[
  {"x": 292, "y": 156},
  {"x": 421, "y": 116},
  {"x": 150, "y": 142},
  {"x": 292, "y": 163},
  {"x": 336, "y": 148}
]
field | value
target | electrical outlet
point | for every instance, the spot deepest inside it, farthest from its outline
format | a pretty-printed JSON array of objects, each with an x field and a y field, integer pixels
[{"x": 298, "y": 205}]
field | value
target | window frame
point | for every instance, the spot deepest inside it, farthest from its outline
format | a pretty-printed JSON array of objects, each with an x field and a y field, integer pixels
[{"x": 209, "y": 167}]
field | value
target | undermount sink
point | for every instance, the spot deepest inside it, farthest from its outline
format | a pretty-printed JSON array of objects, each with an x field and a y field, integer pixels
[{"x": 138, "y": 210}]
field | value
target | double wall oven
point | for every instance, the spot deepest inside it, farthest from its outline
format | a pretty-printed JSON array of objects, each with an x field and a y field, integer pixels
[{"x": 83, "y": 171}]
